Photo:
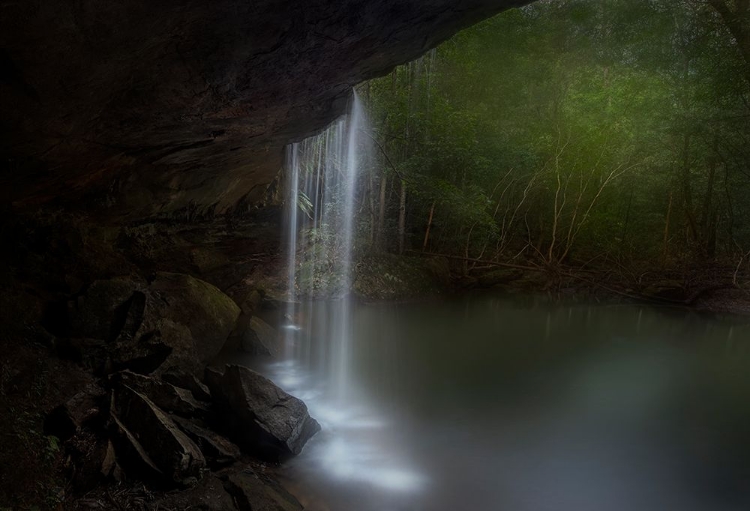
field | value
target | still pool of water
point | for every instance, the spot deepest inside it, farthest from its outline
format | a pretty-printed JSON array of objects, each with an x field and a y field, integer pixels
[{"x": 521, "y": 405}]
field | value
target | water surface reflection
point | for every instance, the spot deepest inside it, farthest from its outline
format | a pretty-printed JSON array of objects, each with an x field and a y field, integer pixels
[{"x": 522, "y": 405}]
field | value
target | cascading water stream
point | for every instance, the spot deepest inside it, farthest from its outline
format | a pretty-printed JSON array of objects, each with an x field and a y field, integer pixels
[{"x": 323, "y": 174}]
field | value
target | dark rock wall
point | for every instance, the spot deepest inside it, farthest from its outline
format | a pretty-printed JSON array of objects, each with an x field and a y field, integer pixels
[{"x": 146, "y": 108}]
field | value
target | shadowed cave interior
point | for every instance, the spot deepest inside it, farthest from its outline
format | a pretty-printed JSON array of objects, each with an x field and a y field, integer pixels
[{"x": 403, "y": 255}]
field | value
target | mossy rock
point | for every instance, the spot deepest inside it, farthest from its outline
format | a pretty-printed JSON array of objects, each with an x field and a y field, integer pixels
[
  {"x": 175, "y": 320},
  {"x": 205, "y": 310}
]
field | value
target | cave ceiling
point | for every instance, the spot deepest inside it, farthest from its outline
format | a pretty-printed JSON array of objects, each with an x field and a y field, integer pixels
[{"x": 132, "y": 108}]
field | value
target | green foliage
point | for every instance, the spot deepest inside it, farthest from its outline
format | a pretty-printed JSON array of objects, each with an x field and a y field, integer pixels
[
  {"x": 569, "y": 130},
  {"x": 389, "y": 277},
  {"x": 305, "y": 204},
  {"x": 318, "y": 273},
  {"x": 53, "y": 446}
]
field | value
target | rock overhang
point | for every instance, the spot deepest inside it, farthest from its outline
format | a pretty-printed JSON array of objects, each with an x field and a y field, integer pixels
[{"x": 136, "y": 110}]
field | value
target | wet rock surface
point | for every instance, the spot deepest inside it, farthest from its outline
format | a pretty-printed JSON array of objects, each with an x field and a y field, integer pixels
[{"x": 263, "y": 419}]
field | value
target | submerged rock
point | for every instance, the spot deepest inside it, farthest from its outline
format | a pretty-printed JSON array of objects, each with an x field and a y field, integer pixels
[
  {"x": 158, "y": 442},
  {"x": 258, "y": 415}
]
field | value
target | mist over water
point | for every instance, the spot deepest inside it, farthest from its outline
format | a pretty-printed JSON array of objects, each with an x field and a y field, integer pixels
[
  {"x": 518, "y": 404},
  {"x": 495, "y": 403}
]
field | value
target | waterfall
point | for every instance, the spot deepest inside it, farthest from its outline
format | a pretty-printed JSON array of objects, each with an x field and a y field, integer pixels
[{"x": 322, "y": 172}]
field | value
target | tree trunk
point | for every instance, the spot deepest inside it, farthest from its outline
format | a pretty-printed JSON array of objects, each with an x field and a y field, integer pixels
[
  {"x": 381, "y": 211},
  {"x": 737, "y": 22},
  {"x": 624, "y": 233},
  {"x": 371, "y": 197},
  {"x": 708, "y": 213},
  {"x": 466, "y": 250},
  {"x": 402, "y": 218},
  {"x": 665, "y": 250},
  {"x": 687, "y": 190},
  {"x": 429, "y": 224}
]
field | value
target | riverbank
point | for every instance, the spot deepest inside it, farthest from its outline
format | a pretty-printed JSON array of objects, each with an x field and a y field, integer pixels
[{"x": 713, "y": 289}]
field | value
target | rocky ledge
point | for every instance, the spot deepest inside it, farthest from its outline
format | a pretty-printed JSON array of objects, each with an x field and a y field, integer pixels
[{"x": 152, "y": 413}]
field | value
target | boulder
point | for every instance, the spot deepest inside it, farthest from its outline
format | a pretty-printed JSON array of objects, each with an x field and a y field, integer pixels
[
  {"x": 182, "y": 379},
  {"x": 128, "y": 324},
  {"x": 258, "y": 415},
  {"x": 148, "y": 351},
  {"x": 158, "y": 442},
  {"x": 91, "y": 459},
  {"x": 109, "y": 462},
  {"x": 217, "y": 450},
  {"x": 260, "y": 338},
  {"x": 93, "y": 354},
  {"x": 83, "y": 408},
  {"x": 164, "y": 395},
  {"x": 252, "y": 301},
  {"x": 255, "y": 492},
  {"x": 100, "y": 313},
  {"x": 133, "y": 455},
  {"x": 208, "y": 314}
]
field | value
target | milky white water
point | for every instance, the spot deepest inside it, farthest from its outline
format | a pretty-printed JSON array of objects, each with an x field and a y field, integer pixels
[
  {"x": 490, "y": 403},
  {"x": 517, "y": 404}
]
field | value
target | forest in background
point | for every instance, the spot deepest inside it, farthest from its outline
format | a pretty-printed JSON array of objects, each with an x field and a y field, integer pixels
[
  {"x": 568, "y": 135},
  {"x": 569, "y": 132}
]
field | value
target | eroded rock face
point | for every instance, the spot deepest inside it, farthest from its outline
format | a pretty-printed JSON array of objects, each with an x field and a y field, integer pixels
[
  {"x": 147, "y": 108},
  {"x": 263, "y": 419}
]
